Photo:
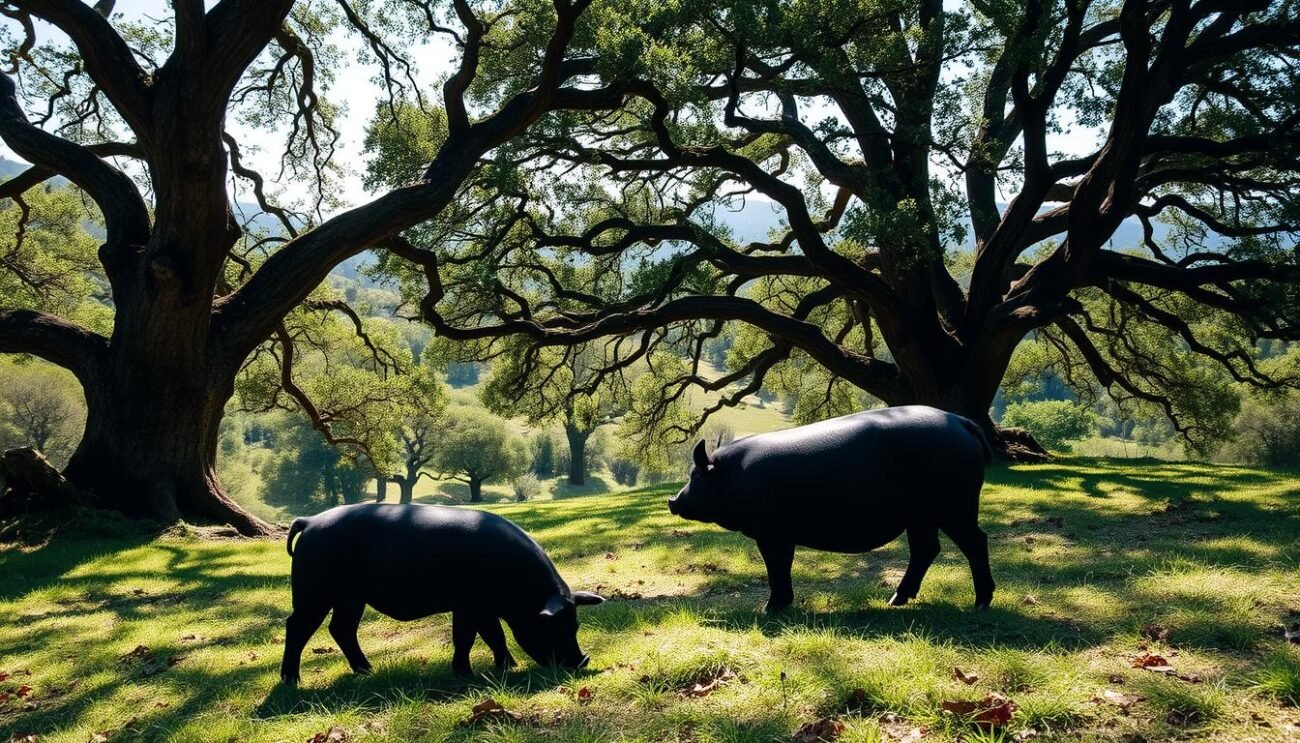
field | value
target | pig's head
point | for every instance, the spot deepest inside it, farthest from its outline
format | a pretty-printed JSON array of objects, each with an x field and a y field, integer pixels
[
  {"x": 701, "y": 499},
  {"x": 550, "y": 636}
]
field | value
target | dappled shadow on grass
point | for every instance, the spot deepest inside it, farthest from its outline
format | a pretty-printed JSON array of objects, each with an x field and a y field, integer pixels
[{"x": 1104, "y": 548}]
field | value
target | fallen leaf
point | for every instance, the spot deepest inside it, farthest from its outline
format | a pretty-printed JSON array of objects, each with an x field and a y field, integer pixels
[
  {"x": 23, "y": 738},
  {"x": 1123, "y": 701},
  {"x": 1152, "y": 662},
  {"x": 99, "y": 738},
  {"x": 490, "y": 709},
  {"x": 825, "y": 729},
  {"x": 189, "y": 638},
  {"x": 1026, "y": 734},
  {"x": 141, "y": 651},
  {"x": 1155, "y": 632},
  {"x": 961, "y": 708},
  {"x": 4, "y": 697},
  {"x": 585, "y": 695},
  {"x": 1116, "y": 678},
  {"x": 993, "y": 711},
  {"x": 611, "y": 556},
  {"x": 322, "y": 650},
  {"x": 3, "y": 676},
  {"x": 335, "y": 734},
  {"x": 1030, "y": 601},
  {"x": 965, "y": 678},
  {"x": 706, "y": 685},
  {"x": 24, "y": 690}
]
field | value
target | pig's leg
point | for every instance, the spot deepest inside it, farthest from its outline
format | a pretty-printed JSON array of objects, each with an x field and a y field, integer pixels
[
  {"x": 974, "y": 544},
  {"x": 489, "y": 628},
  {"x": 778, "y": 557},
  {"x": 923, "y": 547},
  {"x": 463, "y": 630},
  {"x": 343, "y": 628},
  {"x": 298, "y": 629}
]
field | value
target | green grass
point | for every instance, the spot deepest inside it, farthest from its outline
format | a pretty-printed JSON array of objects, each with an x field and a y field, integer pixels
[{"x": 1211, "y": 553}]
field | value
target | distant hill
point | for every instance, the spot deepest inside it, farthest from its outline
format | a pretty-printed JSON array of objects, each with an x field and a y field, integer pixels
[{"x": 11, "y": 168}]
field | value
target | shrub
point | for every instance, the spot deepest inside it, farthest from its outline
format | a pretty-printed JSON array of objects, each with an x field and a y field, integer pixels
[
  {"x": 526, "y": 487},
  {"x": 1267, "y": 432},
  {"x": 625, "y": 471},
  {"x": 1055, "y": 423},
  {"x": 543, "y": 454}
]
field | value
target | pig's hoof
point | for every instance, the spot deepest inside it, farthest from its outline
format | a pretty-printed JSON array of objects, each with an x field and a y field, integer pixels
[
  {"x": 365, "y": 670},
  {"x": 289, "y": 680},
  {"x": 899, "y": 599},
  {"x": 776, "y": 607},
  {"x": 462, "y": 670},
  {"x": 983, "y": 604}
]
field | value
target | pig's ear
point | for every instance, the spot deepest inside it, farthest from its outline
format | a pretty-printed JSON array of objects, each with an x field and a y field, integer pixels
[
  {"x": 701, "y": 456},
  {"x": 587, "y": 598},
  {"x": 555, "y": 605}
]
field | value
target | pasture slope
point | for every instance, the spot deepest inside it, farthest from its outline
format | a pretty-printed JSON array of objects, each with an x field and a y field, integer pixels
[{"x": 116, "y": 634}]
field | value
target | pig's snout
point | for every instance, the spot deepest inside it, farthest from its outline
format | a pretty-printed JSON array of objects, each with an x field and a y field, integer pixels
[{"x": 672, "y": 504}]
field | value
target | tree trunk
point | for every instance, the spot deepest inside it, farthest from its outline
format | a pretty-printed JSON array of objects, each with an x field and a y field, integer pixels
[
  {"x": 475, "y": 490},
  {"x": 967, "y": 387},
  {"x": 381, "y": 488},
  {"x": 153, "y": 417},
  {"x": 577, "y": 454},
  {"x": 407, "y": 488}
]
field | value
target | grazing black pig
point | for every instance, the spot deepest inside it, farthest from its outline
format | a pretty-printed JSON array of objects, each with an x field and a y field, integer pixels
[
  {"x": 412, "y": 561},
  {"x": 850, "y": 484}
]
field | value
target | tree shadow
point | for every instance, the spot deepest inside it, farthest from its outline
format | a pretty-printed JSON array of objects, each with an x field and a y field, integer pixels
[{"x": 1111, "y": 549}]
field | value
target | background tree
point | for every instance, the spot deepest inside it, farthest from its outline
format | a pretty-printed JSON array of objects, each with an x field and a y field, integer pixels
[
  {"x": 875, "y": 131},
  {"x": 137, "y": 118},
  {"x": 568, "y": 385},
  {"x": 476, "y": 447},
  {"x": 40, "y": 407},
  {"x": 424, "y": 418}
]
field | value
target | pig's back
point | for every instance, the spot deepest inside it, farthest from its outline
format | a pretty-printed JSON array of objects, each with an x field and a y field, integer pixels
[
  {"x": 410, "y": 561},
  {"x": 886, "y": 452}
]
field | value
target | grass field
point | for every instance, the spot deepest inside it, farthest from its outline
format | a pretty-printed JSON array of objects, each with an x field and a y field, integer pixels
[{"x": 133, "y": 637}]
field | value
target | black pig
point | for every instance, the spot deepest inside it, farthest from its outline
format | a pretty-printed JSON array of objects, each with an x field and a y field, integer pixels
[
  {"x": 850, "y": 484},
  {"x": 412, "y": 561}
]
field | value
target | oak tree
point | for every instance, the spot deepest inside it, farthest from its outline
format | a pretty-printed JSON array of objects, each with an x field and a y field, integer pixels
[{"x": 140, "y": 118}]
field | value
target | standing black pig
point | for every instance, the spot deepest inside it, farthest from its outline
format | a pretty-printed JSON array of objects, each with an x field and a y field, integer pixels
[
  {"x": 412, "y": 561},
  {"x": 850, "y": 484}
]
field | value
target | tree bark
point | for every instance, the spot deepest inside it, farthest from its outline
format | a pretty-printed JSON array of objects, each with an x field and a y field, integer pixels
[
  {"x": 577, "y": 454},
  {"x": 475, "y": 490},
  {"x": 381, "y": 488},
  {"x": 154, "y": 409},
  {"x": 406, "y": 487}
]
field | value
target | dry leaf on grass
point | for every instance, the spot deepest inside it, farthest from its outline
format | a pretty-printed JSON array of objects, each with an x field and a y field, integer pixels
[
  {"x": 585, "y": 695},
  {"x": 826, "y": 729},
  {"x": 335, "y": 734},
  {"x": 1121, "y": 700},
  {"x": 706, "y": 685},
  {"x": 1155, "y": 632},
  {"x": 994, "y": 710},
  {"x": 490, "y": 710},
  {"x": 322, "y": 650},
  {"x": 965, "y": 678},
  {"x": 1151, "y": 662}
]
